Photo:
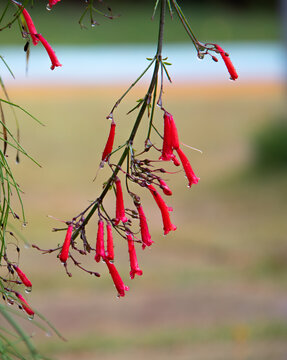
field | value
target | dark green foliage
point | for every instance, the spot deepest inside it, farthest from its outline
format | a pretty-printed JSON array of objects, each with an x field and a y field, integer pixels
[{"x": 270, "y": 146}]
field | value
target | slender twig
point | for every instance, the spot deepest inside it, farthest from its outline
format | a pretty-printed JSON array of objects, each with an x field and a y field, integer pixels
[
  {"x": 130, "y": 87},
  {"x": 185, "y": 24}
]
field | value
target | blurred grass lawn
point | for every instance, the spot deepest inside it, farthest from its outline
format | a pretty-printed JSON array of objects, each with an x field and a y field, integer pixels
[
  {"x": 210, "y": 24},
  {"x": 215, "y": 288}
]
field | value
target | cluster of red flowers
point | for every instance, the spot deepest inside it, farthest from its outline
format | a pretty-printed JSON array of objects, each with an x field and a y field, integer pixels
[
  {"x": 171, "y": 143},
  {"x": 36, "y": 37},
  {"x": 142, "y": 173},
  {"x": 18, "y": 277}
]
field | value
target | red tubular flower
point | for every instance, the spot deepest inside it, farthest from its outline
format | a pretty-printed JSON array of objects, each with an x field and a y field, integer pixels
[
  {"x": 50, "y": 51},
  {"x": 110, "y": 142},
  {"x": 135, "y": 270},
  {"x": 192, "y": 178},
  {"x": 120, "y": 208},
  {"x": 22, "y": 277},
  {"x": 24, "y": 304},
  {"x": 119, "y": 284},
  {"x": 110, "y": 243},
  {"x": 167, "y": 153},
  {"x": 170, "y": 138},
  {"x": 65, "y": 248},
  {"x": 228, "y": 63},
  {"x": 145, "y": 235},
  {"x": 53, "y": 2},
  {"x": 173, "y": 131},
  {"x": 166, "y": 190},
  {"x": 30, "y": 25},
  {"x": 100, "y": 247},
  {"x": 167, "y": 225}
]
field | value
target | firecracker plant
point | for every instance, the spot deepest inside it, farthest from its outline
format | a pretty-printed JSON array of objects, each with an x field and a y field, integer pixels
[{"x": 137, "y": 170}]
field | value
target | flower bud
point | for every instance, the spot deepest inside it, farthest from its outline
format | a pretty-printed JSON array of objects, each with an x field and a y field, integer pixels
[
  {"x": 120, "y": 208},
  {"x": 100, "y": 247},
  {"x": 22, "y": 277},
  {"x": 228, "y": 63},
  {"x": 119, "y": 284},
  {"x": 65, "y": 248},
  {"x": 135, "y": 270}
]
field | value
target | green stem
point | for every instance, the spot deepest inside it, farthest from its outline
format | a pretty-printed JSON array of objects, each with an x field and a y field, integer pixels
[
  {"x": 130, "y": 87},
  {"x": 21, "y": 333},
  {"x": 151, "y": 115},
  {"x": 146, "y": 102},
  {"x": 185, "y": 24},
  {"x": 4, "y": 12}
]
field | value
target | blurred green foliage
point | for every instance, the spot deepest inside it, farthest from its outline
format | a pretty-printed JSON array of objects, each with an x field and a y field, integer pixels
[
  {"x": 270, "y": 146},
  {"x": 242, "y": 4},
  {"x": 211, "y": 22}
]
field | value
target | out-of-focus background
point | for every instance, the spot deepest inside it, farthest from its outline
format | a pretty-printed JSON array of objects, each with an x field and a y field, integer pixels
[{"x": 215, "y": 288}]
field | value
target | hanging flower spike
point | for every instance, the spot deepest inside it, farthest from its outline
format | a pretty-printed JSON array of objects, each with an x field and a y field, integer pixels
[
  {"x": 120, "y": 208},
  {"x": 52, "y": 3},
  {"x": 119, "y": 284},
  {"x": 192, "y": 178},
  {"x": 167, "y": 225},
  {"x": 110, "y": 243},
  {"x": 109, "y": 145},
  {"x": 145, "y": 235},
  {"x": 228, "y": 63},
  {"x": 23, "y": 277},
  {"x": 50, "y": 51},
  {"x": 135, "y": 270},
  {"x": 25, "y": 305},
  {"x": 30, "y": 25},
  {"x": 166, "y": 190},
  {"x": 65, "y": 248},
  {"x": 100, "y": 247}
]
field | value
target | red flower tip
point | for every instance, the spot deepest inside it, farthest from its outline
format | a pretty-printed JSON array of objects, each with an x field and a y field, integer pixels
[
  {"x": 53, "y": 2},
  {"x": 50, "y": 51},
  {"x": 119, "y": 284},
  {"x": 25, "y": 305},
  {"x": 120, "y": 208},
  {"x": 31, "y": 27},
  {"x": 65, "y": 248},
  {"x": 166, "y": 190},
  {"x": 22, "y": 277},
  {"x": 110, "y": 243},
  {"x": 175, "y": 160},
  {"x": 228, "y": 63},
  {"x": 145, "y": 235},
  {"x": 110, "y": 142},
  {"x": 100, "y": 247},
  {"x": 135, "y": 270},
  {"x": 192, "y": 178},
  {"x": 167, "y": 225}
]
